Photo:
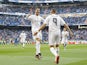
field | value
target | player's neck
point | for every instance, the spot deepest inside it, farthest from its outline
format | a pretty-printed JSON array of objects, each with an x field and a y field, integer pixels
[
  {"x": 37, "y": 14},
  {"x": 53, "y": 13}
]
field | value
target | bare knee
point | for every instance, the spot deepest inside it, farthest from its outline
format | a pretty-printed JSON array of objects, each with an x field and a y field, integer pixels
[
  {"x": 38, "y": 39},
  {"x": 57, "y": 45},
  {"x": 51, "y": 45}
]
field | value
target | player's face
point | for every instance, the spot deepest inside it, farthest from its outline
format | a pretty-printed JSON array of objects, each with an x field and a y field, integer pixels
[{"x": 37, "y": 11}]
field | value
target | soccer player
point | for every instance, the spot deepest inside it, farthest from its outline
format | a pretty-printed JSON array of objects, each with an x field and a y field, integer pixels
[
  {"x": 36, "y": 20},
  {"x": 23, "y": 38},
  {"x": 65, "y": 35},
  {"x": 54, "y": 22}
]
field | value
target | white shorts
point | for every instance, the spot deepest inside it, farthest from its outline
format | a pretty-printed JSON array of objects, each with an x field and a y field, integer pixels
[
  {"x": 39, "y": 35},
  {"x": 54, "y": 38},
  {"x": 22, "y": 40},
  {"x": 64, "y": 41}
]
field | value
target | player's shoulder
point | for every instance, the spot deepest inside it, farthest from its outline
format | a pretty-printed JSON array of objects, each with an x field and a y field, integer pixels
[
  {"x": 58, "y": 16},
  {"x": 32, "y": 15},
  {"x": 49, "y": 16},
  {"x": 40, "y": 16},
  {"x": 55, "y": 15}
]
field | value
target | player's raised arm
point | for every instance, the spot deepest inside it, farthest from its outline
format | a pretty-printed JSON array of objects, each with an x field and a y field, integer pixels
[
  {"x": 27, "y": 16},
  {"x": 66, "y": 26}
]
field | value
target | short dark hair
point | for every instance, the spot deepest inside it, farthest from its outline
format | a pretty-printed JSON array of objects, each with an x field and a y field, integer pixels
[{"x": 53, "y": 10}]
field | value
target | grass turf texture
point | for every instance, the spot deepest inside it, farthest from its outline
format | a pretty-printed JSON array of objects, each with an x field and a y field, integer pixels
[{"x": 17, "y": 55}]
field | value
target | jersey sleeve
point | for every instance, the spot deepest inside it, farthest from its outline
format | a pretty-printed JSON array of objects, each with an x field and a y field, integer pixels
[
  {"x": 42, "y": 19},
  {"x": 30, "y": 17},
  {"x": 46, "y": 21},
  {"x": 62, "y": 21}
]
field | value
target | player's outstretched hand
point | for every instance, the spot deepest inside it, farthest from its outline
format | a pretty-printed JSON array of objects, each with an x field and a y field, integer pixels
[{"x": 35, "y": 33}]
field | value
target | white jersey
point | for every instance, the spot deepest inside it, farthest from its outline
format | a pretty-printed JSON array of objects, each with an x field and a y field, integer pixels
[
  {"x": 36, "y": 22},
  {"x": 54, "y": 22},
  {"x": 65, "y": 34},
  {"x": 23, "y": 35}
]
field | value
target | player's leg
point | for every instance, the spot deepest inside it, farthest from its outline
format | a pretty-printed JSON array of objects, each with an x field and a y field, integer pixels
[
  {"x": 51, "y": 43},
  {"x": 38, "y": 52},
  {"x": 23, "y": 44},
  {"x": 57, "y": 39},
  {"x": 62, "y": 42},
  {"x": 57, "y": 48},
  {"x": 37, "y": 49},
  {"x": 53, "y": 51},
  {"x": 57, "y": 57},
  {"x": 65, "y": 44},
  {"x": 38, "y": 46},
  {"x": 21, "y": 41},
  {"x": 39, "y": 39}
]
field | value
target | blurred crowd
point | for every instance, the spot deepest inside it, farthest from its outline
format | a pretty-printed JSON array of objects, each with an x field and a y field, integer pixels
[
  {"x": 80, "y": 34},
  {"x": 76, "y": 20},
  {"x": 20, "y": 20},
  {"x": 44, "y": 9},
  {"x": 13, "y": 20}
]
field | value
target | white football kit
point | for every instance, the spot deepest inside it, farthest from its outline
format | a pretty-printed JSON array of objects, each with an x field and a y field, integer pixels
[
  {"x": 65, "y": 35},
  {"x": 36, "y": 23},
  {"x": 54, "y": 22},
  {"x": 23, "y": 37}
]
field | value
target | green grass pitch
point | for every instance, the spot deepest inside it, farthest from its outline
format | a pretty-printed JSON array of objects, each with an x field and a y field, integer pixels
[{"x": 17, "y": 55}]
